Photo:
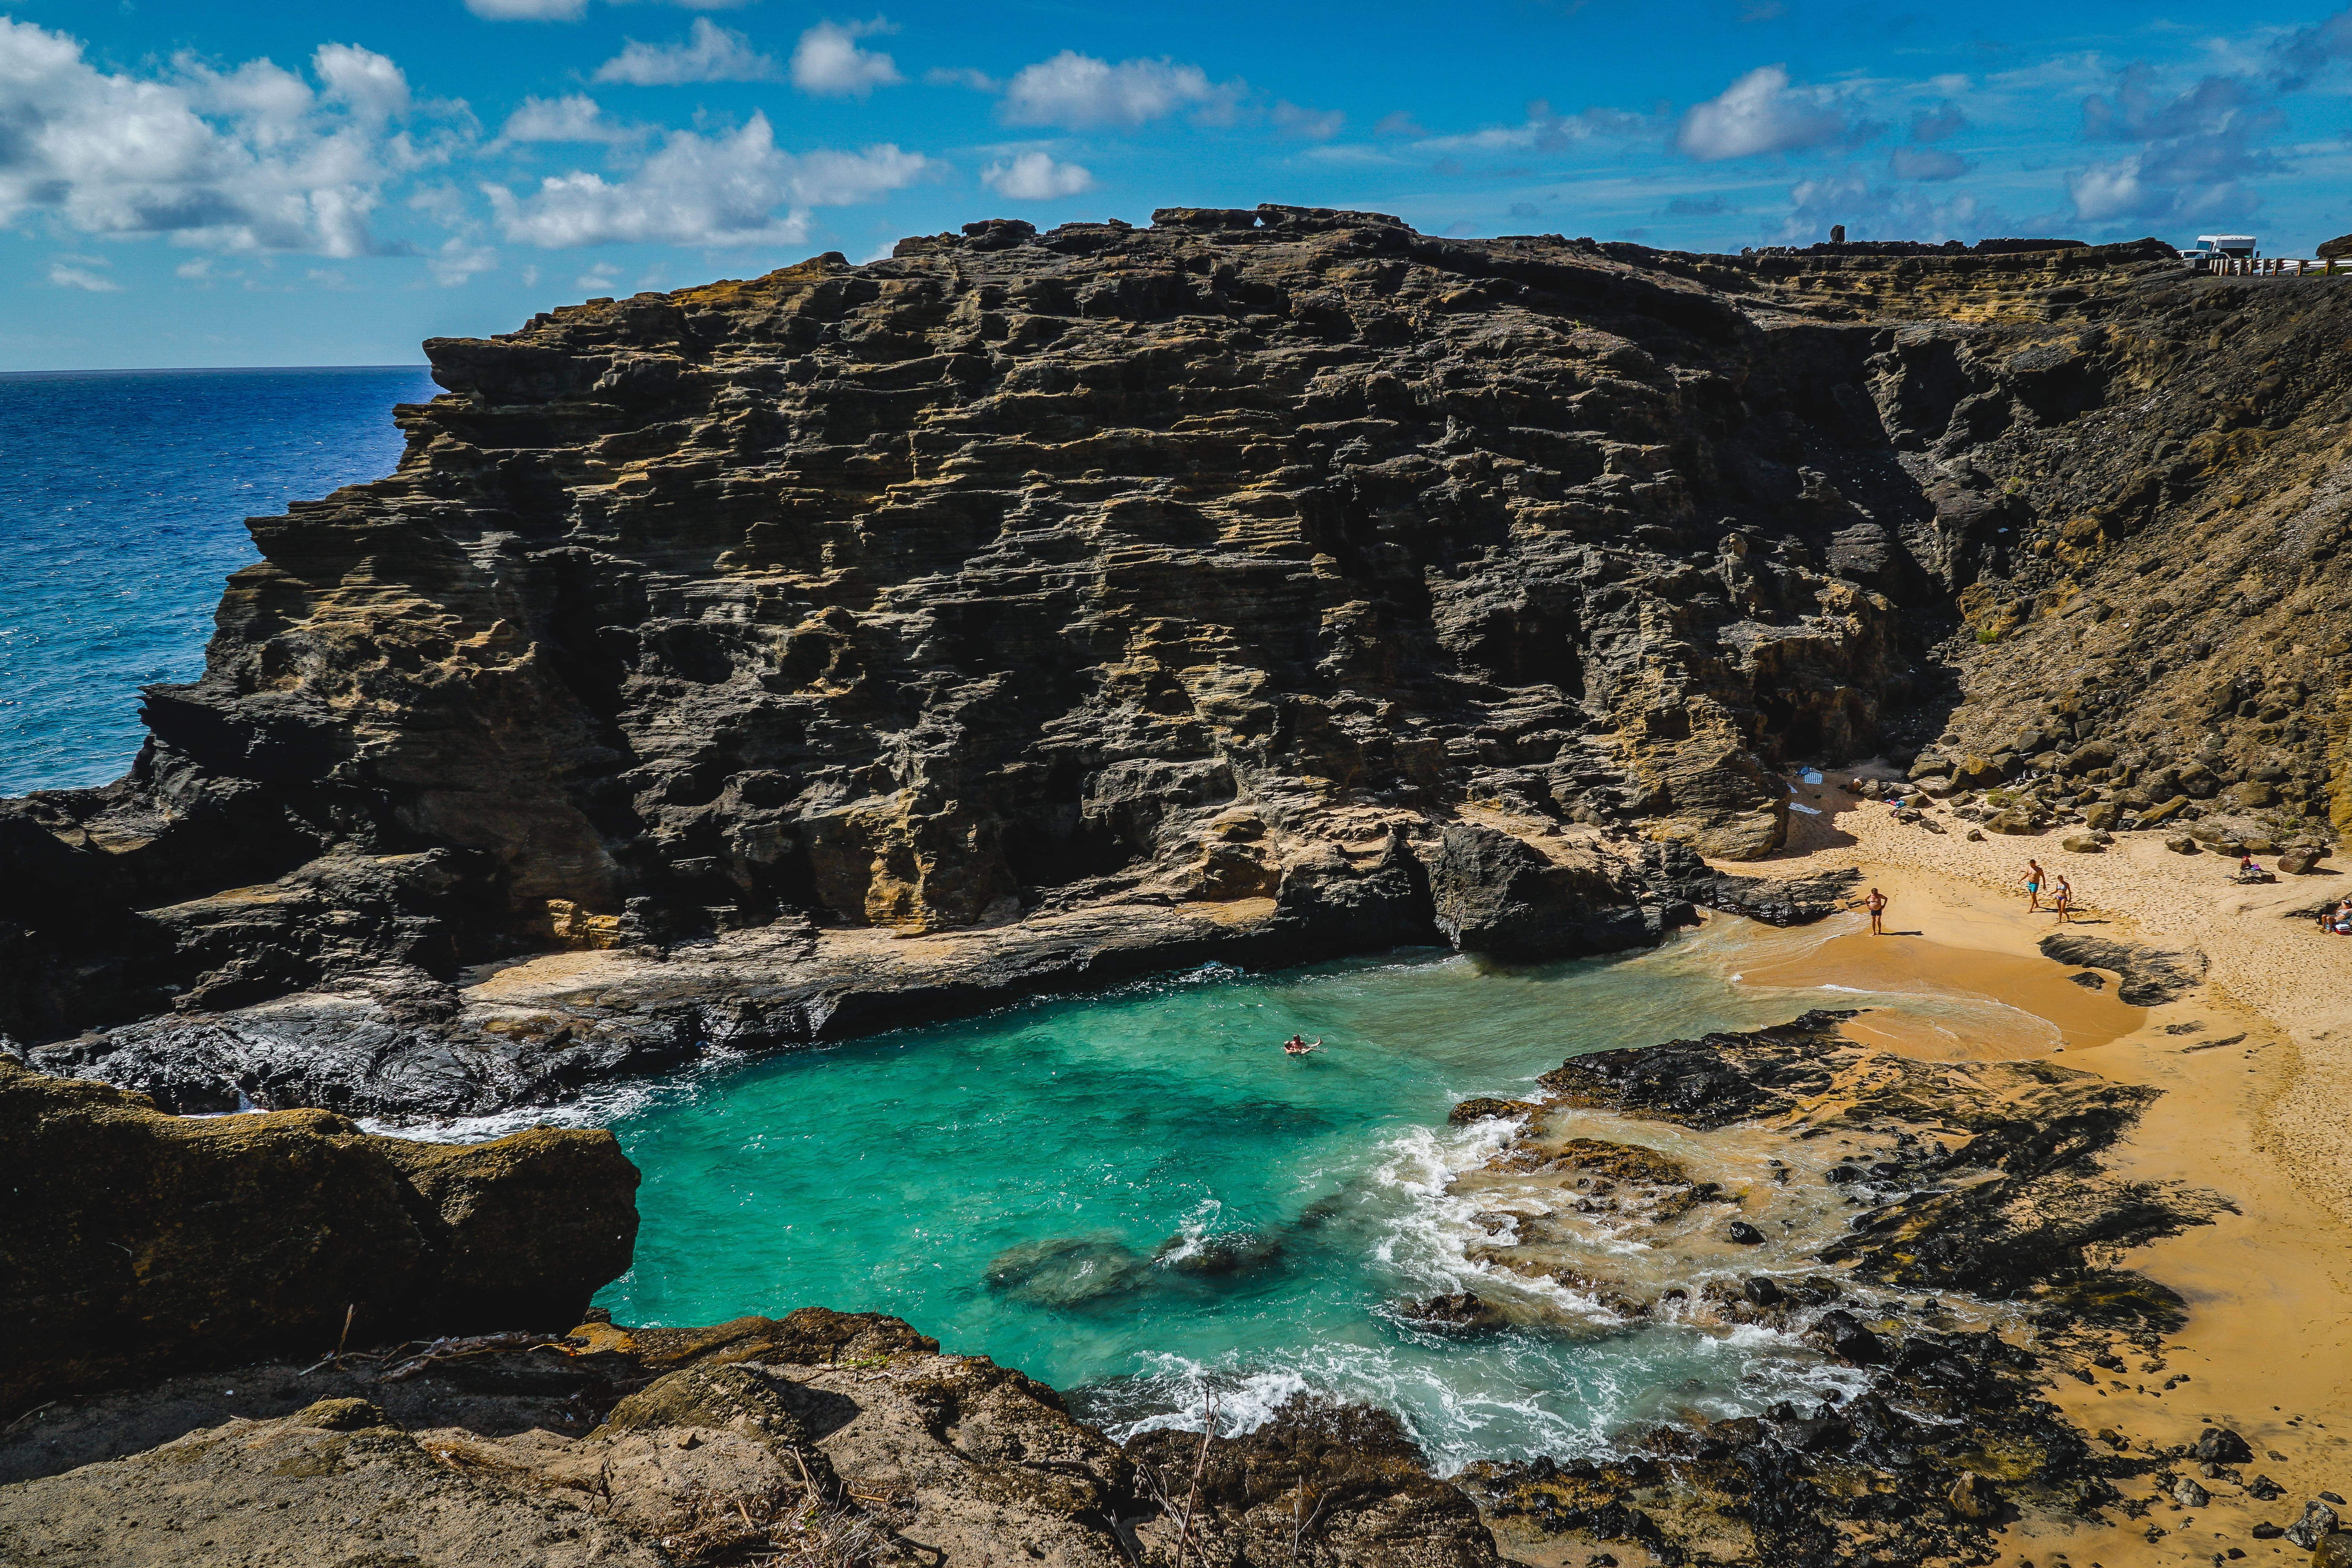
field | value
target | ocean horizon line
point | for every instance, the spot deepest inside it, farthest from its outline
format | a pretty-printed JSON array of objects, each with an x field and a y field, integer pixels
[{"x": 203, "y": 370}]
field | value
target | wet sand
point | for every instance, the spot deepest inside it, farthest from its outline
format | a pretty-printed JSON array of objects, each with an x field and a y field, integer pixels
[{"x": 2256, "y": 1066}]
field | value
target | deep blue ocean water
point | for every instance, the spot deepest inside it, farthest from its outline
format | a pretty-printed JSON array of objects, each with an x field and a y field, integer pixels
[{"x": 123, "y": 496}]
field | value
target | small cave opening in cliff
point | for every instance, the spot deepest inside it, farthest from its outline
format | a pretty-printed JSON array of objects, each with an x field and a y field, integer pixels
[{"x": 1050, "y": 840}]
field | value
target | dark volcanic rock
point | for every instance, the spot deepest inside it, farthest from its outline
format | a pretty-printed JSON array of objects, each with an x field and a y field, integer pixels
[
  {"x": 1462, "y": 1312},
  {"x": 822, "y": 1436},
  {"x": 1679, "y": 870},
  {"x": 2151, "y": 976},
  {"x": 1707, "y": 1082},
  {"x": 830, "y": 1436},
  {"x": 1080, "y": 573},
  {"x": 1335, "y": 1486},
  {"x": 1501, "y": 895},
  {"x": 926, "y": 594},
  {"x": 2220, "y": 1446},
  {"x": 137, "y": 1242}
]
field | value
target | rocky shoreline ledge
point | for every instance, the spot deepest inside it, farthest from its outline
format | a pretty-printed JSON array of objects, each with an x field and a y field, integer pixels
[
  {"x": 396, "y": 1044},
  {"x": 430, "y": 1388}
]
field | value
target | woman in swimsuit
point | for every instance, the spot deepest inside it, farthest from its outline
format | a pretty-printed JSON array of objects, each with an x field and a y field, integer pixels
[{"x": 2062, "y": 899}]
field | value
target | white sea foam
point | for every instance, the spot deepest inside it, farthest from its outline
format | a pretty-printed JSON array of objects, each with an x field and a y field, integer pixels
[{"x": 599, "y": 1105}]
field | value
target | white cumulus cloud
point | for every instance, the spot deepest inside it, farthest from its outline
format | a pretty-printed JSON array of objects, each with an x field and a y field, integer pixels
[
  {"x": 828, "y": 60},
  {"x": 368, "y": 84},
  {"x": 1036, "y": 177},
  {"x": 575, "y": 117},
  {"x": 1760, "y": 112},
  {"x": 458, "y": 260},
  {"x": 709, "y": 53},
  {"x": 1081, "y": 91},
  {"x": 528, "y": 10},
  {"x": 572, "y": 10},
  {"x": 2115, "y": 190},
  {"x": 733, "y": 188},
  {"x": 64, "y": 277},
  {"x": 251, "y": 159}
]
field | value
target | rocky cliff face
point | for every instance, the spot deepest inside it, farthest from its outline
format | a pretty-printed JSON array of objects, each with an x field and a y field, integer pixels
[{"x": 1229, "y": 565}]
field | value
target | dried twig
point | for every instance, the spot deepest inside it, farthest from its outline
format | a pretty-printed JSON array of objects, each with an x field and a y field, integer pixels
[
  {"x": 1299, "y": 1526},
  {"x": 1152, "y": 1483},
  {"x": 335, "y": 1359},
  {"x": 441, "y": 1351}
]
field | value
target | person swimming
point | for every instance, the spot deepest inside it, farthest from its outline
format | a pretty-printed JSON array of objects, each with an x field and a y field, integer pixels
[{"x": 1299, "y": 1044}]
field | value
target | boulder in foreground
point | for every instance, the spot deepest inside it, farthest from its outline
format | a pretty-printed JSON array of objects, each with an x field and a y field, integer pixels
[{"x": 137, "y": 1243}]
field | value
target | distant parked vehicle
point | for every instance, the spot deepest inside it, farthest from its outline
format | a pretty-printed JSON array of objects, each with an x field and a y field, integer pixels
[
  {"x": 2239, "y": 256},
  {"x": 2237, "y": 247}
]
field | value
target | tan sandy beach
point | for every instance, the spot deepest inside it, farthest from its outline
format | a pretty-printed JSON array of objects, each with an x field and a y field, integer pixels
[{"x": 2265, "y": 1120}]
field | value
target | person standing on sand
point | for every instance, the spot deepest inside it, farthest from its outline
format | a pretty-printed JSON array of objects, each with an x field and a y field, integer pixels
[
  {"x": 2033, "y": 880},
  {"x": 2062, "y": 899},
  {"x": 1876, "y": 905}
]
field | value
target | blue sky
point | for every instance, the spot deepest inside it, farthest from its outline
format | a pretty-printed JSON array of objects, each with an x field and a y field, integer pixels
[{"x": 184, "y": 182}]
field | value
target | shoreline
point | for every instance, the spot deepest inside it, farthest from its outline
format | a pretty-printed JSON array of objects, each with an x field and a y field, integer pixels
[{"x": 2250, "y": 1065}]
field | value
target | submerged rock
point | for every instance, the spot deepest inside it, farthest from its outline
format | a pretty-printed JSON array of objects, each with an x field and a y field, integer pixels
[
  {"x": 1219, "y": 1253},
  {"x": 1463, "y": 1312},
  {"x": 1068, "y": 1271}
]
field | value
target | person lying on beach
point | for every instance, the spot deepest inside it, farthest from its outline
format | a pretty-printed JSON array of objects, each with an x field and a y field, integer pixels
[
  {"x": 1299, "y": 1044},
  {"x": 2034, "y": 878},
  {"x": 2338, "y": 921},
  {"x": 1876, "y": 905}
]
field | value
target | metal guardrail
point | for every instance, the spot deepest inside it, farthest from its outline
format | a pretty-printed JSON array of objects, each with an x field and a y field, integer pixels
[{"x": 2264, "y": 266}]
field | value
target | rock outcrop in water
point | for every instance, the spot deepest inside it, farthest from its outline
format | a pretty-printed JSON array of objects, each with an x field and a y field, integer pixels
[
  {"x": 1129, "y": 597},
  {"x": 1975, "y": 1182},
  {"x": 132, "y": 1242}
]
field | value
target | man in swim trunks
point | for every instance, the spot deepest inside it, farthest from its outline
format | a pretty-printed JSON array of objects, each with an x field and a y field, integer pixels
[
  {"x": 1299, "y": 1045},
  {"x": 1876, "y": 905},
  {"x": 2033, "y": 880}
]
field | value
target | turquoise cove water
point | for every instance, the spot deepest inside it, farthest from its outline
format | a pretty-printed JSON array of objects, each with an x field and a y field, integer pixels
[{"x": 1136, "y": 1196}]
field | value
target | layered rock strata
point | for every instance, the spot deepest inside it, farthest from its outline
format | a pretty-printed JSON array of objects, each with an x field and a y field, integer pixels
[{"x": 1255, "y": 556}]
